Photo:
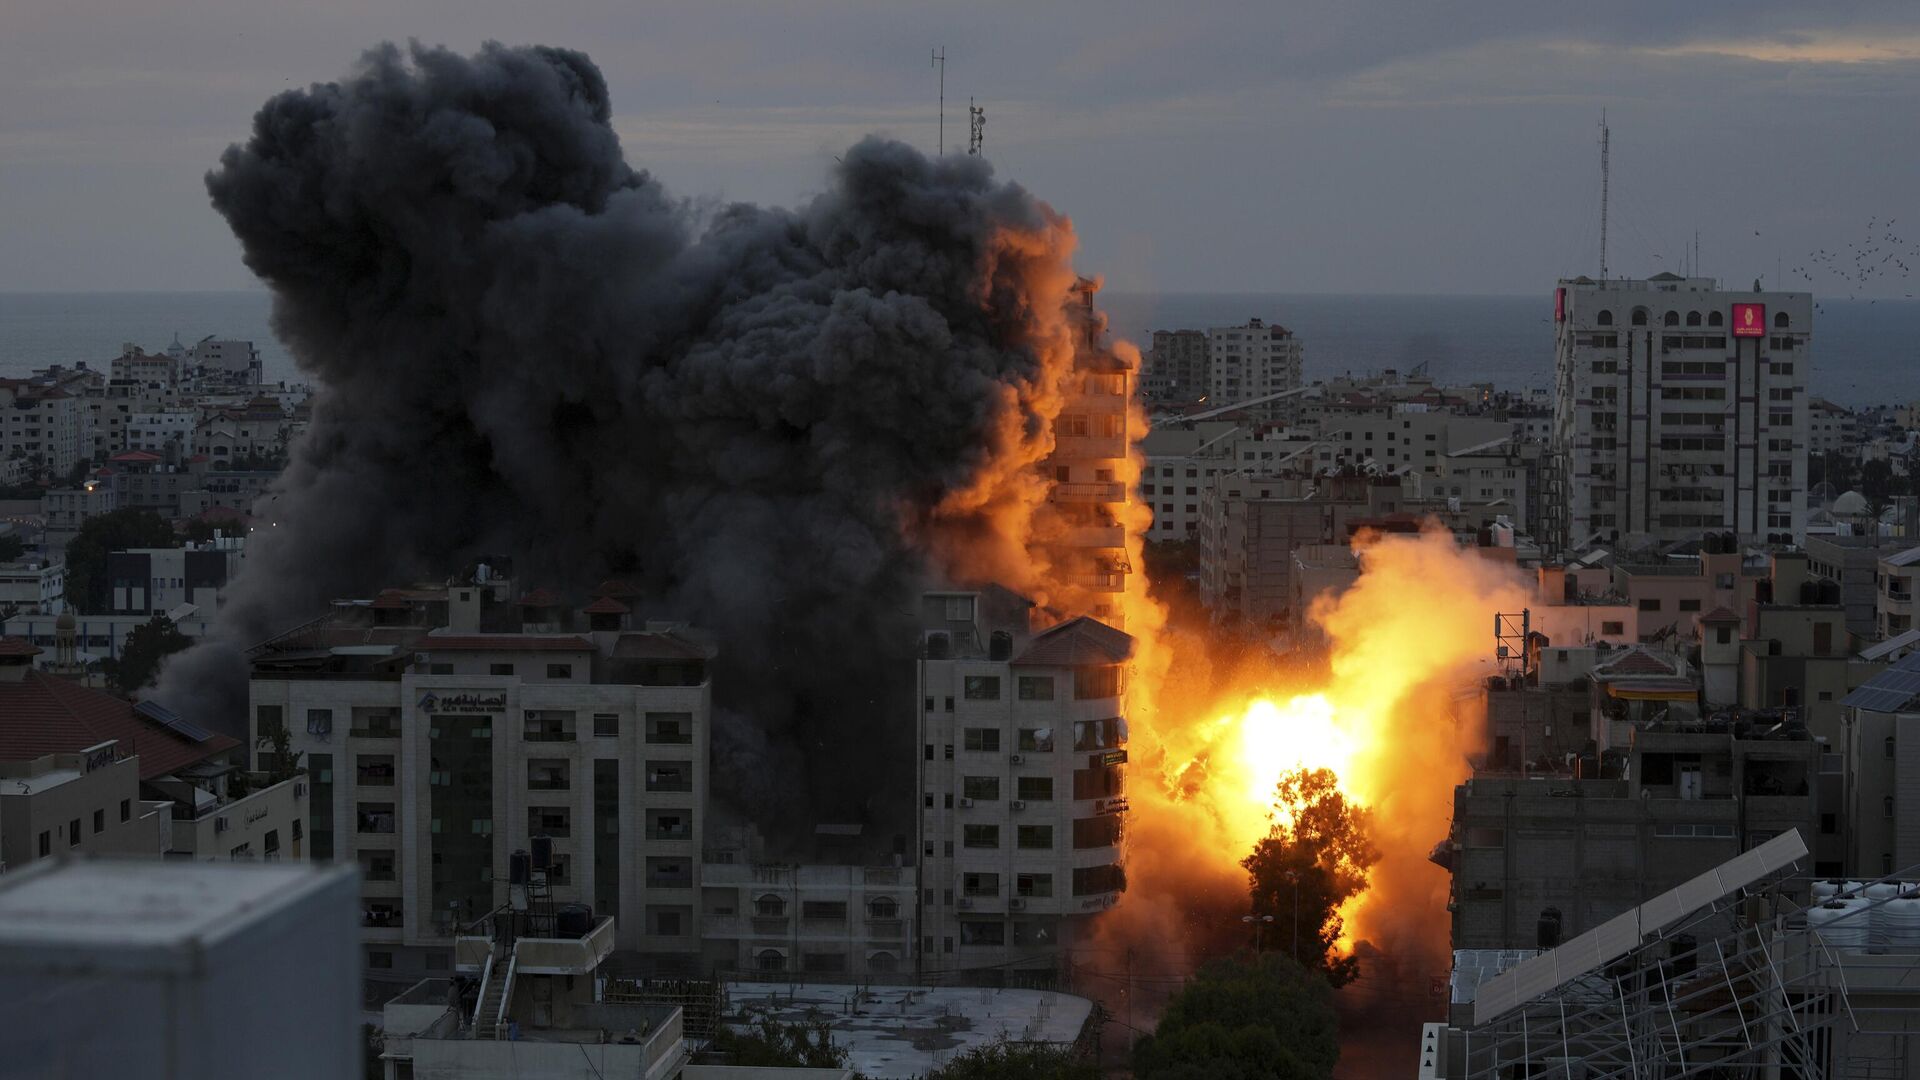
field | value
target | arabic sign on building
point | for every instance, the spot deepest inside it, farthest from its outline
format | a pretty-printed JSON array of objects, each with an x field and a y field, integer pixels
[
  {"x": 1749, "y": 320},
  {"x": 464, "y": 701}
]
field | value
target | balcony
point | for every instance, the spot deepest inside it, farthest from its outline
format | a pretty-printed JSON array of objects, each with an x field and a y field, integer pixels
[
  {"x": 885, "y": 928},
  {"x": 1089, "y": 447},
  {"x": 769, "y": 924},
  {"x": 1095, "y": 536},
  {"x": 1089, "y": 492}
]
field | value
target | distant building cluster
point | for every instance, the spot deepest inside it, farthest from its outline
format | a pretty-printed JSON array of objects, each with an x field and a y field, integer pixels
[{"x": 189, "y": 434}]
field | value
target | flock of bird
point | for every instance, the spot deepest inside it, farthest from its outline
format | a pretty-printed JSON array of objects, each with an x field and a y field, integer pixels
[{"x": 1882, "y": 255}]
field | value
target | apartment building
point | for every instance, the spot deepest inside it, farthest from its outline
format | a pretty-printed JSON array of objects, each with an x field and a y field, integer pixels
[
  {"x": 1022, "y": 785},
  {"x": 149, "y": 581},
  {"x": 216, "y": 363},
  {"x": 1830, "y": 427},
  {"x": 66, "y": 509},
  {"x": 41, "y": 425},
  {"x": 1575, "y": 852},
  {"x": 1679, "y": 408},
  {"x": 1882, "y": 744},
  {"x": 154, "y": 373},
  {"x": 157, "y": 430},
  {"x": 1177, "y": 366},
  {"x": 1080, "y": 534},
  {"x": 763, "y": 919},
  {"x": 89, "y": 772},
  {"x": 1251, "y": 361},
  {"x": 36, "y": 584},
  {"x": 1894, "y": 581},
  {"x": 447, "y": 726}
]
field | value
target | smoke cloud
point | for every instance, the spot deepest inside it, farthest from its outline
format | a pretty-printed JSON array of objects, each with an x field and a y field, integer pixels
[{"x": 762, "y": 417}]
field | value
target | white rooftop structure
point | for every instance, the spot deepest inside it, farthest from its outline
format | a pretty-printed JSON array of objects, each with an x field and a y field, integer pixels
[
  {"x": 136, "y": 968},
  {"x": 908, "y": 1031}
]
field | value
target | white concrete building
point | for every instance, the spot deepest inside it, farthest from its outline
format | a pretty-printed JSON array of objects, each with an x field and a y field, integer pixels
[
  {"x": 1177, "y": 366},
  {"x": 41, "y": 425},
  {"x": 435, "y": 756},
  {"x": 35, "y": 585},
  {"x": 216, "y": 970},
  {"x": 1253, "y": 361},
  {"x": 1680, "y": 409},
  {"x": 66, "y": 509},
  {"x": 217, "y": 362},
  {"x": 1022, "y": 784},
  {"x": 153, "y": 431},
  {"x": 810, "y": 919},
  {"x": 150, "y": 581}
]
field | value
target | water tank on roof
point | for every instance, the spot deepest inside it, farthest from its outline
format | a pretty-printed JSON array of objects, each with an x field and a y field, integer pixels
[
  {"x": 1710, "y": 544},
  {"x": 1840, "y": 924},
  {"x": 939, "y": 646},
  {"x": 1729, "y": 543},
  {"x": 1829, "y": 591},
  {"x": 519, "y": 867},
  {"x": 1547, "y": 932},
  {"x": 572, "y": 920},
  {"x": 1809, "y": 593},
  {"x": 1900, "y": 923},
  {"x": 1763, "y": 591}
]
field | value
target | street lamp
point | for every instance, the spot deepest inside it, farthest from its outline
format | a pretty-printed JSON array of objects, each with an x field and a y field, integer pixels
[{"x": 1259, "y": 923}]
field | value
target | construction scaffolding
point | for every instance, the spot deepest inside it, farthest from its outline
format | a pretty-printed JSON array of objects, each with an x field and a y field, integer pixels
[{"x": 1724, "y": 976}]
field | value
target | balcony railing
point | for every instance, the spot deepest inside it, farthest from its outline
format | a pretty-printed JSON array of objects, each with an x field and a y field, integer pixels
[
  {"x": 677, "y": 832},
  {"x": 1099, "y": 491},
  {"x": 884, "y": 928},
  {"x": 769, "y": 924}
]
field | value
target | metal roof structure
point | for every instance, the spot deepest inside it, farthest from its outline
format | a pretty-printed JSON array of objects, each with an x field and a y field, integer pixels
[
  {"x": 1890, "y": 691},
  {"x": 1899, "y": 643},
  {"x": 1617, "y": 937}
]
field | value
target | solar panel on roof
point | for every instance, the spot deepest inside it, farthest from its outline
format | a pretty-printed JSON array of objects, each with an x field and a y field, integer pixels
[
  {"x": 1623, "y": 933},
  {"x": 167, "y": 718}
]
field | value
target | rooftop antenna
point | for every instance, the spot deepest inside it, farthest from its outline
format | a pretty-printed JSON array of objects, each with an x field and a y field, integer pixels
[
  {"x": 976, "y": 127},
  {"x": 940, "y": 61},
  {"x": 1605, "y": 169}
]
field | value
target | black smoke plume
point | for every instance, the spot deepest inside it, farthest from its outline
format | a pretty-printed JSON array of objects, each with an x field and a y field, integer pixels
[{"x": 522, "y": 344}]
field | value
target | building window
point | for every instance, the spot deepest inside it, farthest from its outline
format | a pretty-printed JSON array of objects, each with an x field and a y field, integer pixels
[
  {"x": 46, "y": 843},
  {"x": 1034, "y": 837},
  {"x": 1036, "y": 687},
  {"x": 379, "y": 961},
  {"x": 1613, "y": 628},
  {"x": 374, "y": 817},
  {"x": 320, "y": 722},
  {"x": 1096, "y": 682},
  {"x": 1036, "y": 740},
  {"x": 670, "y": 727},
  {"x": 1723, "y": 635},
  {"x": 126, "y": 809},
  {"x": 980, "y": 836},
  {"x": 984, "y": 788},
  {"x": 99, "y": 821},
  {"x": 985, "y": 740},
  {"x": 1887, "y": 805},
  {"x": 73, "y": 833},
  {"x": 980, "y": 884},
  {"x": 499, "y": 669},
  {"x": 669, "y": 776},
  {"x": 770, "y": 906},
  {"x": 547, "y": 775},
  {"x": 1035, "y": 788},
  {"x": 559, "y": 671},
  {"x": 770, "y": 960},
  {"x": 982, "y": 687},
  {"x": 1650, "y": 603},
  {"x": 606, "y": 724},
  {"x": 1605, "y": 318},
  {"x": 1689, "y": 605}
]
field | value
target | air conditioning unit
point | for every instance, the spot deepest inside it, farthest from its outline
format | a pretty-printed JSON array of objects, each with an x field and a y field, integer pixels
[
  {"x": 1016, "y": 758},
  {"x": 966, "y": 804},
  {"x": 1016, "y": 903},
  {"x": 1017, "y": 805}
]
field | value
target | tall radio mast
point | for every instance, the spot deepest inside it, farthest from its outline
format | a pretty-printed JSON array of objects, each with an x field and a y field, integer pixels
[
  {"x": 1605, "y": 168},
  {"x": 940, "y": 61}
]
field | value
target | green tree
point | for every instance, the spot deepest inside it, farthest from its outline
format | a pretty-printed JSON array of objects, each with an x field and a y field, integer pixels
[
  {"x": 277, "y": 745},
  {"x": 1004, "y": 1060},
  {"x": 1315, "y": 855},
  {"x": 11, "y": 547},
  {"x": 140, "y": 655},
  {"x": 1250, "y": 1017},
  {"x": 803, "y": 1044},
  {"x": 87, "y": 586}
]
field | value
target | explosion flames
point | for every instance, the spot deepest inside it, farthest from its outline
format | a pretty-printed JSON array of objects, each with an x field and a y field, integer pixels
[{"x": 1210, "y": 741}]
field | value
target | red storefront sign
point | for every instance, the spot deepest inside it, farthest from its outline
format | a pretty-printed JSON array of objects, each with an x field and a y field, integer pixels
[
  {"x": 1559, "y": 305},
  {"x": 1749, "y": 320}
]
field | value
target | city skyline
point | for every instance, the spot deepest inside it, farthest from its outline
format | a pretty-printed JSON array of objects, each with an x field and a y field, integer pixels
[{"x": 1309, "y": 148}]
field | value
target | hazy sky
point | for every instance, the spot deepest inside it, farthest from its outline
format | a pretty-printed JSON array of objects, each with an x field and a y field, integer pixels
[{"x": 1345, "y": 146}]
